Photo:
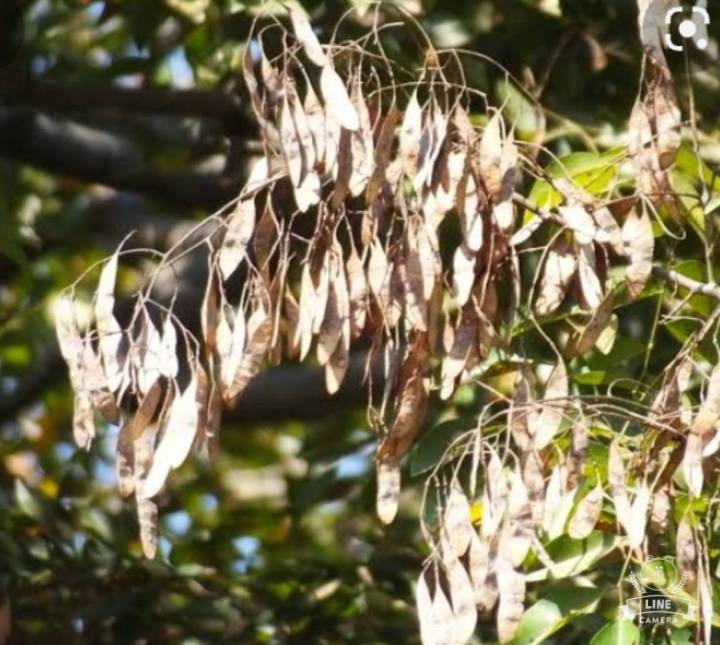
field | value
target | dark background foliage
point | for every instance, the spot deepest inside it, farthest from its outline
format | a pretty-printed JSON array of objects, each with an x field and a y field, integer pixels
[{"x": 130, "y": 115}]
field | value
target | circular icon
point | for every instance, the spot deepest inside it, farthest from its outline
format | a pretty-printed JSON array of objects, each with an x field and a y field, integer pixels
[
  {"x": 681, "y": 30},
  {"x": 687, "y": 29},
  {"x": 659, "y": 573}
]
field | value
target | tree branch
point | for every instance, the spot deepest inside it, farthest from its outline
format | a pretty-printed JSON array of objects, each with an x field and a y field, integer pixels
[
  {"x": 277, "y": 394},
  {"x": 707, "y": 288},
  {"x": 44, "y": 96},
  {"x": 298, "y": 392},
  {"x": 69, "y": 148}
]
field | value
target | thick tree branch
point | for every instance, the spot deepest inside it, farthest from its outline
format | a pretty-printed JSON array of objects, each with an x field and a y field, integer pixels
[
  {"x": 277, "y": 394},
  {"x": 299, "y": 392},
  {"x": 75, "y": 150},
  {"x": 56, "y": 97},
  {"x": 707, "y": 288}
]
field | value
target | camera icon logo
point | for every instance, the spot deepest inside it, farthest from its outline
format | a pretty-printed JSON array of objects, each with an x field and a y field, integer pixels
[
  {"x": 693, "y": 28},
  {"x": 679, "y": 31}
]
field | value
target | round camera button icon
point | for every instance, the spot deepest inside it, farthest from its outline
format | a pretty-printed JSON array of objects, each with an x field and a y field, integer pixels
[
  {"x": 681, "y": 31},
  {"x": 687, "y": 28}
]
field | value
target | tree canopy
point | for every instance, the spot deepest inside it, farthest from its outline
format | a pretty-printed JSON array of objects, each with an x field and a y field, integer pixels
[{"x": 383, "y": 322}]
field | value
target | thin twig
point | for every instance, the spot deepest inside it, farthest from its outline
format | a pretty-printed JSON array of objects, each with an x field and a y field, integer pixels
[{"x": 707, "y": 288}]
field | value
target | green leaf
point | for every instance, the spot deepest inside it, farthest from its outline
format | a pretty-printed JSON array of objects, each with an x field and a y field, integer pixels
[
  {"x": 593, "y": 172},
  {"x": 572, "y": 557},
  {"x": 553, "y": 612},
  {"x": 689, "y": 163},
  {"x": 621, "y": 632},
  {"x": 689, "y": 198},
  {"x": 27, "y": 501},
  {"x": 681, "y": 636},
  {"x": 433, "y": 444},
  {"x": 538, "y": 622},
  {"x": 616, "y": 362},
  {"x": 591, "y": 377}
]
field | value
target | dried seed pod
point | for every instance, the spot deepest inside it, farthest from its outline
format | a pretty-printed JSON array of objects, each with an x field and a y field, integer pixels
[
  {"x": 124, "y": 462},
  {"x": 705, "y": 591},
  {"x": 383, "y": 150},
  {"x": 465, "y": 341},
  {"x": 518, "y": 528},
  {"x": 472, "y": 216},
  {"x": 109, "y": 331},
  {"x": 577, "y": 453},
  {"x": 259, "y": 334},
  {"x": 590, "y": 334},
  {"x": 337, "y": 101},
  {"x": 590, "y": 286},
  {"x": 440, "y": 619},
  {"x": 307, "y": 190},
  {"x": 692, "y": 466},
  {"x": 410, "y": 134},
  {"x": 147, "y": 514},
  {"x": 178, "y": 435},
  {"x": 617, "y": 482},
  {"x": 535, "y": 484},
  {"x": 423, "y": 603},
  {"x": 416, "y": 310},
  {"x": 336, "y": 312},
  {"x": 463, "y": 273},
  {"x": 503, "y": 215},
  {"x": 660, "y": 510},
  {"x": 483, "y": 553},
  {"x": 519, "y": 411},
  {"x": 610, "y": 228},
  {"x": 635, "y": 523},
  {"x": 686, "y": 549},
  {"x": 83, "y": 421},
  {"x": 431, "y": 141},
  {"x": 231, "y": 346},
  {"x": 315, "y": 119},
  {"x": 379, "y": 275},
  {"x": 558, "y": 503},
  {"x": 580, "y": 222},
  {"x": 511, "y": 585},
  {"x": 91, "y": 380},
  {"x": 363, "y": 154},
  {"x": 337, "y": 366},
  {"x": 462, "y": 599},
  {"x": 147, "y": 510},
  {"x": 456, "y": 520},
  {"x": 639, "y": 244},
  {"x": 495, "y": 496},
  {"x": 358, "y": 292},
  {"x": 490, "y": 155},
  {"x": 388, "y": 490},
  {"x": 411, "y": 410},
  {"x": 306, "y": 36},
  {"x": 68, "y": 334},
  {"x": 586, "y": 514},
  {"x": 560, "y": 267},
  {"x": 238, "y": 233},
  {"x": 146, "y": 412},
  {"x": 545, "y": 420}
]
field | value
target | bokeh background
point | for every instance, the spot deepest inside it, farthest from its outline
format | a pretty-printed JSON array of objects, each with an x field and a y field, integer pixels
[{"x": 123, "y": 115}]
